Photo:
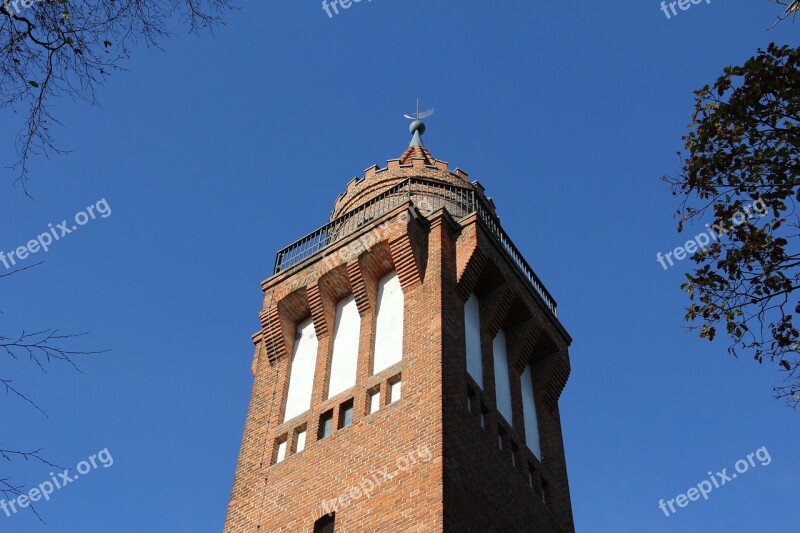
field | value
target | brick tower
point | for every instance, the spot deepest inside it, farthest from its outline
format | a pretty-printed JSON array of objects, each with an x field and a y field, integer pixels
[{"x": 407, "y": 371}]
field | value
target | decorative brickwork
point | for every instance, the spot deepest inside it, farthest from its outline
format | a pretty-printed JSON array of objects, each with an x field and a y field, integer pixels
[{"x": 469, "y": 482}]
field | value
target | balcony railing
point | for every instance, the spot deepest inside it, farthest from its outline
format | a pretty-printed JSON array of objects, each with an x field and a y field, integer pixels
[{"x": 428, "y": 196}]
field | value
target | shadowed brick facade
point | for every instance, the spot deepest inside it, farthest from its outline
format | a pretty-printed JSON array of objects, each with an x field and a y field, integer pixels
[{"x": 439, "y": 233}]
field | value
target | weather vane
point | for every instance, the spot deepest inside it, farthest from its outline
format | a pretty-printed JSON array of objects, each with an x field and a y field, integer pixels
[
  {"x": 418, "y": 115},
  {"x": 417, "y": 127}
]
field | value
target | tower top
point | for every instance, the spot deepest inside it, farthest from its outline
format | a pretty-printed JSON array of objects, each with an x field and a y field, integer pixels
[{"x": 417, "y": 127}]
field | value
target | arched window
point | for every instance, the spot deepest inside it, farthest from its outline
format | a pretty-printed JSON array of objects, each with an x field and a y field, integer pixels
[
  {"x": 346, "y": 334},
  {"x": 529, "y": 410},
  {"x": 502, "y": 386},
  {"x": 389, "y": 323},
  {"x": 301, "y": 375},
  {"x": 472, "y": 333}
]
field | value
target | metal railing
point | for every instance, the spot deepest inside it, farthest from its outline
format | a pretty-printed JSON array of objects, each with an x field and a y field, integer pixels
[{"x": 427, "y": 196}]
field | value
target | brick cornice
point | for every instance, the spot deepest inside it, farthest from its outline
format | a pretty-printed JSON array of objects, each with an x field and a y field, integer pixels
[
  {"x": 274, "y": 341},
  {"x": 468, "y": 277},
  {"x": 524, "y": 341},
  {"x": 315, "y": 303},
  {"x": 359, "y": 286},
  {"x": 405, "y": 263},
  {"x": 495, "y": 308},
  {"x": 555, "y": 371},
  {"x": 503, "y": 261},
  {"x": 408, "y": 252}
]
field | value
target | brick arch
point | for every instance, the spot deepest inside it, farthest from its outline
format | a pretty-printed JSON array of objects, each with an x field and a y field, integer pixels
[
  {"x": 559, "y": 371},
  {"x": 535, "y": 343},
  {"x": 467, "y": 279},
  {"x": 554, "y": 368},
  {"x": 525, "y": 338},
  {"x": 332, "y": 287},
  {"x": 272, "y": 335},
  {"x": 530, "y": 337},
  {"x": 536, "y": 340},
  {"x": 495, "y": 308},
  {"x": 409, "y": 252},
  {"x": 319, "y": 512},
  {"x": 480, "y": 276},
  {"x": 358, "y": 286},
  {"x": 279, "y": 321},
  {"x": 372, "y": 266},
  {"x": 317, "y": 308},
  {"x": 290, "y": 311}
]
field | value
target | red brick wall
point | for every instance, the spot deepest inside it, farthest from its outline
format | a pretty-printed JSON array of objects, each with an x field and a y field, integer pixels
[
  {"x": 484, "y": 489},
  {"x": 464, "y": 482}
]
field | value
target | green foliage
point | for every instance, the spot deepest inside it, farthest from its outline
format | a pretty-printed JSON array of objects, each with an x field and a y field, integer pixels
[{"x": 744, "y": 145}]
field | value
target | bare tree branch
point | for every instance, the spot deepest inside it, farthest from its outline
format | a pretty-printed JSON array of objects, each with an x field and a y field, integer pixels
[
  {"x": 20, "y": 270},
  {"x": 792, "y": 8},
  {"x": 55, "y": 48},
  {"x": 10, "y": 490},
  {"x": 42, "y": 348}
]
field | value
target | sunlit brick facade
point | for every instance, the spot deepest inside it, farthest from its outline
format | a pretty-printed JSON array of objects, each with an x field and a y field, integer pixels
[{"x": 421, "y": 444}]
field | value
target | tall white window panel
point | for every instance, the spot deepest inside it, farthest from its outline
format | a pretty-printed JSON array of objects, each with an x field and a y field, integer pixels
[
  {"x": 389, "y": 323},
  {"x": 301, "y": 375},
  {"x": 529, "y": 411},
  {"x": 501, "y": 383},
  {"x": 472, "y": 332},
  {"x": 346, "y": 334}
]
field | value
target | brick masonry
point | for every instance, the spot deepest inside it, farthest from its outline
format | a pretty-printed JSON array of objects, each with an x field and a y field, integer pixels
[{"x": 468, "y": 483}]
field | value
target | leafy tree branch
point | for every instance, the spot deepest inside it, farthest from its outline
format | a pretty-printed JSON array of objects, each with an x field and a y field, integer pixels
[{"x": 744, "y": 146}]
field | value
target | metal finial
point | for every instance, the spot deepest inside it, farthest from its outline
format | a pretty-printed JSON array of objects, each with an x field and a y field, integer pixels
[{"x": 417, "y": 127}]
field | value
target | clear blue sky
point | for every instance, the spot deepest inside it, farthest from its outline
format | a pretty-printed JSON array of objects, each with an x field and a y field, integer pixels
[{"x": 217, "y": 152}]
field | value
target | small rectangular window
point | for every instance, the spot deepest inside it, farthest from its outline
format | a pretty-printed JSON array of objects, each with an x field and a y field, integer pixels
[
  {"x": 395, "y": 391},
  {"x": 484, "y": 416},
  {"x": 514, "y": 451},
  {"x": 325, "y": 425},
  {"x": 374, "y": 401},
  {"x": 281, "y": 455},
  {"x": 301, "y": 441},
  {"x": 346, "y": 414},
  {"x": 501, "y": 438}
]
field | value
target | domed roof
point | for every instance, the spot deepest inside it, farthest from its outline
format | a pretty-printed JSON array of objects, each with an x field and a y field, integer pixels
[{"x": 415, "y": 162}]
